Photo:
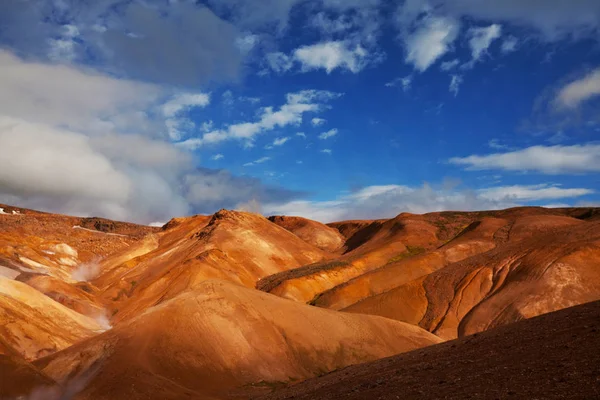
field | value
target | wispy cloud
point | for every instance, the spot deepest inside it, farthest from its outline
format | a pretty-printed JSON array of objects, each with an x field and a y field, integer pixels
[
  {"x": 327, "y": 55},
  {"x": 496, "y": 145},
  {"x": 532, "y": 192},
  {"x": 280, "y": 141},
  {"x": 329, "y": 134},
  {"x": 318, "y": 121},
  {"x": 449, "y": 65},
  {"x": 455, "y": 82},
  {"x": 481, "y": 39},
  {"x": 259, "y": 161},
  {"x": 178, "y": 125},
  {"x": 279, "y": 62},
  {"x": 405, "y": 82},
  {"x": 430, "y": 40},
  {"x": 217, "y": 157},
  {"x": 579, "y": 91},
  {"x": 553, "y": 160},
  {"x": 509, "y": 44},
  {"x": 306, "y": 101},
  {"x": 390, "y": 200},
  {"x": 326, "y": 151}
]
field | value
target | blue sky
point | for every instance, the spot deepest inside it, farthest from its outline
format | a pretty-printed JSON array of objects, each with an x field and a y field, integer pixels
[{"x": 144, "y": 110}]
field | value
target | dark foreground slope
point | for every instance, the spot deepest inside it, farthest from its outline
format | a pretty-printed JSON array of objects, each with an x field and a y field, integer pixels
[{"x": 553, "y": 356}]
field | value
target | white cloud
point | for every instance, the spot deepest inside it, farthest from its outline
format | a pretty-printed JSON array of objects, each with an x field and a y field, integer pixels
[
  {"x": 380, "y": 202},
  {"x": 259, "y": 161},
  {"x": 58, "y": 154},
  {"x": 449, "y": 65},
  {"x": 455, "y": 83},
  {"x": 553, "y": 19},
  {"x": 430, "y": 41},
  {"x": 78, "y": 142},
  {"x": 280, "y": 141},
  {"x": 509, "y": 44},
  {"x": 390, "y": 200},
  {"x": 531, "y": 193},
  {"x": 126, "y": 177},
  {"x": 64, "y": 48},
  {"x": 289, "y": 114},
  {"x": 326, "y": 151},
  {"x": 330, "y": 133},
  {"x": 301, "y": 134},
  {"x": 279, "y": 62},
  {"x": 206, "y": 126},
  {"x": 544, "y": 159},
  {"x": 332, "y": 55},
  {"x": 62, "y": 95},
  {"x": 61, "y": 50},
  {"x": 227, "y": 98},
  {"x": 556, "y": 205},
  {"x": 330, "y": 26},
  {"x": 496, "y": 145},
  {"x": 481, "y": 39},
  {"x": 217, "y": 157},
  {"x": 254, "y": 16},
  {"x": 177, "y": 105},
  {"x": 247, "y": 43},
  {"x": 579, "y": 91},
  {"x": 318, "y": 121},
  {"x": 185, "y": 101},
  {"x": 251, "y": 100},
  {"x": 405, "y": 82}
]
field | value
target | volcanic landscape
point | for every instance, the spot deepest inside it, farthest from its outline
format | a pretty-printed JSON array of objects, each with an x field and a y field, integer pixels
[{"x": 447, "y": 305}]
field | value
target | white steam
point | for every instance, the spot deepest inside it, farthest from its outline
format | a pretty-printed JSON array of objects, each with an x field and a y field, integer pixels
[
  {"x": 103, "y": 321},
  {"x": 86, "y": 272}
]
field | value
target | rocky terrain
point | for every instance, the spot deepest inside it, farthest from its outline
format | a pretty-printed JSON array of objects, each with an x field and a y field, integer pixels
[
  {"x": 553, "y": 356},
  {"x": 238, "y": 306}
]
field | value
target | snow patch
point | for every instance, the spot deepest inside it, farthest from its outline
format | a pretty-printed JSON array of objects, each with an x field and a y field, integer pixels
[
  {"x": 34, "y": 264},
  {"x": 64, "y": 248},
  {"x": 68, "y": 261},
  {"x": 95, "y": 231},
  {"x": 14, "y": 212}
]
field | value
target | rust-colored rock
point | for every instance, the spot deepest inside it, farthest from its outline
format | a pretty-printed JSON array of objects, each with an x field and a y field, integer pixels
[
  {"x": 313, "y": 232},
  {"x": 111, "y": 310},
  {"x": 221, "y": 336}
]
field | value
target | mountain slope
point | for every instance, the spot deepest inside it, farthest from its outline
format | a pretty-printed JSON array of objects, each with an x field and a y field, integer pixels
[
  {"x": 478, "y": 237},
  {"x": 221, "y": 336},
  {"x": 522, "y": 279},
  {"x": 33, "y": 325},
  {"x": 554, "y": 356},
  {"x": 380, "y": 242},
  {"x": 313, "y": 232},
  {"x": 233, "y": 246},
  {"x": 20, "y": 379}
]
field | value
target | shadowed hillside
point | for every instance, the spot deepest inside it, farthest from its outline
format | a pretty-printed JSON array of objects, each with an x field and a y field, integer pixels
[{"x": 553, "y": 356}]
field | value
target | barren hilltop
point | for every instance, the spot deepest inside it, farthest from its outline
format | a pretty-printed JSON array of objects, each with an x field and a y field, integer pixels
[{"x": 239, "y": 306}]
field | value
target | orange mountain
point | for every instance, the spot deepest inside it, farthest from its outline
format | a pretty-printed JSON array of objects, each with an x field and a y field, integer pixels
[{"x": 236, "y": 305}]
